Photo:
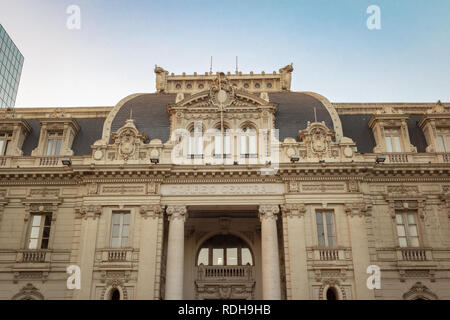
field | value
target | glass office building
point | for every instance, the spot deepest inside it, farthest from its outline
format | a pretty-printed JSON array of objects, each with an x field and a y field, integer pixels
[{"x": 11, "y": 62}]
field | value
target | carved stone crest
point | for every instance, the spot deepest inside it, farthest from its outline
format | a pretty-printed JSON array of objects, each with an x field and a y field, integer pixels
[{"x": 128, "y": 140}]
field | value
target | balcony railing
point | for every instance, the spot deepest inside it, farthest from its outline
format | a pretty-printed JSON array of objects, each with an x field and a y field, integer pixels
[
  {"x": 49, "y": 161},
  {"x": 117, "y": 255},
  {"x": 411, "y": 254},
  {"x": 216, "y": 273},
  {"x": 32, "y": 256},
  {"x": 328, "y": 254},
  {"x": 398, "y": 157}
]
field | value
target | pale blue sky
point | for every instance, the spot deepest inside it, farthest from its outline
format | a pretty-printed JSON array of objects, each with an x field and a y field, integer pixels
[{"x": 334, "y": 53}]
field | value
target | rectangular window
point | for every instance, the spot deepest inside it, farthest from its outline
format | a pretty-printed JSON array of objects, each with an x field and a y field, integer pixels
[
  {"x": 325, "y": 229},
  {"x": 393, "y": 142},
  {"x": 39, "y": 233},
  {"x": 407, "y": 229},
  {"x": 120, "y": 229},
  {"x": 54, "y": 143},
  {"x": 5, "y": 142},
  {"x": 232, "y": 256}
]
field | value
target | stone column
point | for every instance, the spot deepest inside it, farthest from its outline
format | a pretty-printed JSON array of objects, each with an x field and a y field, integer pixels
[
  {"x": 148, "y": 252},
  {"x": 360, "y": 249},
  {"x": 88, "y": 243},
  {"x": 175, "y": 253},
  {"x": 269, "y": 249},
  {"x": 297, "y": 283}
]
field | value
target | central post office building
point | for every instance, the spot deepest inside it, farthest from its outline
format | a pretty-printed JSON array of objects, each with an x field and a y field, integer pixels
[{"x": 226, "y": 186}]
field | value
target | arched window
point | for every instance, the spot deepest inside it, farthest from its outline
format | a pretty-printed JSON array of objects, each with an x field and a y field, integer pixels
[
  {"x": 331, "y": 294},
  {"x": 249, "y": 142},
  {"x": 195, "y": 145},
  {"x": 222, "y": 143},
  {"x": 226, "y": 250},
  {"x": 115, "y": 294}
]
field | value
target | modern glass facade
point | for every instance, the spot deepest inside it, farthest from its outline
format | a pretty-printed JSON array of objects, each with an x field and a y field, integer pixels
[{"x": 11, "y": 62}]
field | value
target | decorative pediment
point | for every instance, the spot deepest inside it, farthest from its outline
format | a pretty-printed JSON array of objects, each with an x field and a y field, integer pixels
[
  {"x": 128, "y": 140},
  {"x": 222, "y": 95}
]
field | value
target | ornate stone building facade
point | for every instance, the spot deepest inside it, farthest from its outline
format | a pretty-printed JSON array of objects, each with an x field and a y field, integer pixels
[{"x": 226, "y": 186}]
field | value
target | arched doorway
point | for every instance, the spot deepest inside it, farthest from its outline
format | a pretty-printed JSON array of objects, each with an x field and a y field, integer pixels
[
  {"x": 225, "y": 269},
  {"x": 114, "y": 294},
  {"x": 331, "y": 294}
]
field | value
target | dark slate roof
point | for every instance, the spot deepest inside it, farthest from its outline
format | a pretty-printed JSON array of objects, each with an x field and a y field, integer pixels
[
  {"x": 295, "y": 109},
  {"x": 150, "y": 115},
  {"x": 356, "y": 126},
  {"x": 416, "y": 135},
  {"x": 90, "y": 131}
]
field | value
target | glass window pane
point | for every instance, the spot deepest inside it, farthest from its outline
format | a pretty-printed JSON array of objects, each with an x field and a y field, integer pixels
[
  {"x": 441, "y": 144},
  {"x": 411, "y": 219},
  {"x": 246, "y": 256},
  {"x": 232, "y": 256},
  {"x": 388, "y": 144},
  {"x": 36, "y": 221},
  {"x": 34, "y": 234},
  {"x": 125, "y": 230},
  {"x": 48, "y": 220},
  {"x": 199, "y": 145},
  {"x": 397, "y": 145},
  {"x": 124, "y": 242},
  {"x": 252, "y": 144},
  {"x": 126, "y": 218},
  {"x": 218, "y": 144},
  {"x": 115, "y": 230},
  {"x": 412, "y": 231},
  {"x": 320, "y": 229},
  {"x": 46, "y": 232},
  {"x": 49, "y": 147},
  {"x": 401, "y": 230},
  {"x": 44, "y": 244},
  {"x": 1, "y": 148},
  {"x": 58, "y": 147},
  {"x": 243, "y": 144},
  {"x": 203, "y": 257},
  {"x": 402, "y": 242},
  {"x": 227, "y": 143},
  {"x": 218, "y": 257},
  {"x": 32, "y": 244},
  {"x": 398, "y": 218}
]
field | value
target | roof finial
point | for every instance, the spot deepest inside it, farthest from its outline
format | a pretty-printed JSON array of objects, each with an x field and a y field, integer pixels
[
  {"x": 131, "y": 113},
  {"x": 210, "y": 66},
  {"x": 315, "y": 115}
]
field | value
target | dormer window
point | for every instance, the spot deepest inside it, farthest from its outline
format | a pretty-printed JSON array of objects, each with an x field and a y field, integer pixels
[
  {"x": 178, "y": 86},
  {"x": 257, "y": 86},
  {"x": 189, "y": 86},
  {"x": 5, "y": 143},
  {"x": 390, "y": 130},
  {"x": 58, "y": 130},
  {"x": 54, "y": 143}
]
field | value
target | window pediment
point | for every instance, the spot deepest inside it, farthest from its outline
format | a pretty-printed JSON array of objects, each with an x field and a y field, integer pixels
[{"x": 15, "y": 130}]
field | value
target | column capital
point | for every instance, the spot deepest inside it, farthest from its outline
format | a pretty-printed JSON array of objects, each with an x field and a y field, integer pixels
[
  {"x": 176, "y": 212},
  {"x": 293, "y": 210},
  {"x": 268, "y": 211},
  {"x": 89, "y": 211},
  {"x": 150, "y": 211}
]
